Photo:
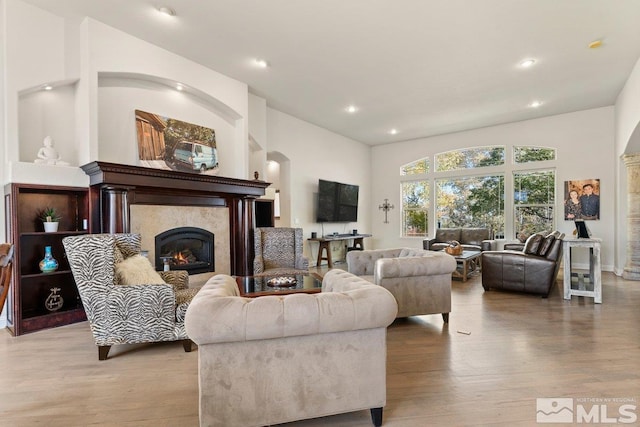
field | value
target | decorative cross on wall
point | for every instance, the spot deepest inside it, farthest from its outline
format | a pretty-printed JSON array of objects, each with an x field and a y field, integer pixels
[{"x": 386, "y": 207}]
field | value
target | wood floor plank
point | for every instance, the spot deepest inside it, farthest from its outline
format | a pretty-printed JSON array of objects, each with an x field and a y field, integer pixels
[{"x": 520, "y": 347}]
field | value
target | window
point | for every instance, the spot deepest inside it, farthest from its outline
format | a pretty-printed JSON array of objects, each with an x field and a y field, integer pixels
[
  {"x": 533, "y": 154},
  {"x": 465, "y": 195},
  {"x": 534, "y": 198},
  {"x": 471, "y": 202},
  {"x": 470, "y": 158},
  {"x": 418, "y": 167},
  {"x": 415, "y": 208}
]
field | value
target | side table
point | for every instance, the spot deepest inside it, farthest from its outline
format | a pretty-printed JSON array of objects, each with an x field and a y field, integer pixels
[{"x": 595, "y": 272}]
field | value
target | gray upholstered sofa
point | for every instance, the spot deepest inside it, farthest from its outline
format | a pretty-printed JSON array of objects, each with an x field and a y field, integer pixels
[
  {"x": 474, "y": 239},
  {"x": 419, "y": 280},
  {"x": 280, "y": 358}
]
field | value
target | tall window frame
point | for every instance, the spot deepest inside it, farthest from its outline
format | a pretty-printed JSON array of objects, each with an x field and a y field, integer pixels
[{"x": 517, "y": 159}]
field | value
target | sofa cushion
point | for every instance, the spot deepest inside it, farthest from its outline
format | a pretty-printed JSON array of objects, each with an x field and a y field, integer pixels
[
  {"x": 532, "y": 245},
  {"x": 474, "y": 236},
  {"x": 137, "y": 270},
  {"x": 546, "y": 244},
  {"x": 447, "y": 234}
]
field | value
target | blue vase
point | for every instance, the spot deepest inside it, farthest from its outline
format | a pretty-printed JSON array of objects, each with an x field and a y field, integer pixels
[{"x": 48, "y": 263}]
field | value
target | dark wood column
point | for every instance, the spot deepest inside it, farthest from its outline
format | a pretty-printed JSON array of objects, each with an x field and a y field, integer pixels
[{"x": 115, "y": 187}]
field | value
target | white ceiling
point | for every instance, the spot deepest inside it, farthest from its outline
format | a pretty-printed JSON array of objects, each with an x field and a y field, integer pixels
[{"x": 423, "y": 67}]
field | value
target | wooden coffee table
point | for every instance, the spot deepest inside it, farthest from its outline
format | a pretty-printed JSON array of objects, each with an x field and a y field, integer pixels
[
  {"x": 256, "y": 286},
  {"x": 468, "y": 262}
]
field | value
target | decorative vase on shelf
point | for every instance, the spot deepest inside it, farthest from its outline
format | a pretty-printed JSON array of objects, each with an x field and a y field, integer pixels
[{"x": 48, "y": 263}]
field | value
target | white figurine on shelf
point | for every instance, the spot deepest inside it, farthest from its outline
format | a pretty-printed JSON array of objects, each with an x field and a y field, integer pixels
[{"x": 48, "y": 154}]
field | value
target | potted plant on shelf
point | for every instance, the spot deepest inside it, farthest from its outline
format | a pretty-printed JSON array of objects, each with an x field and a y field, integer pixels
[{"x": 50, "y": 219}]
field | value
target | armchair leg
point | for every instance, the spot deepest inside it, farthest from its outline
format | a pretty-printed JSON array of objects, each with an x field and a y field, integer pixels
[
  {"x": 445, "y": 317},
  {"x": 376, "y": 416},
  {"x": 103, "y": 351},
  {"x": 187, "y": 344}
]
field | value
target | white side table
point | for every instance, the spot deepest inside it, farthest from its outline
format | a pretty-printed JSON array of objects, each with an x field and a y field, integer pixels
[{"x": 595, "y": 272}]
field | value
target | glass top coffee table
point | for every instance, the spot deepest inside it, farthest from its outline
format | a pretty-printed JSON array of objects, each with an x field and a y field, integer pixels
[{"x": 256, "y": 286}]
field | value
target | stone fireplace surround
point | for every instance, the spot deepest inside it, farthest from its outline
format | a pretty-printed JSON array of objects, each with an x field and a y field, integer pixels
[{"x": 115, "y": 188}]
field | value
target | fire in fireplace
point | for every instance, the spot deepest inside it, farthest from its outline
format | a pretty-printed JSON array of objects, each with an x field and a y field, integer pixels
[{"x": 185, "y": 248}]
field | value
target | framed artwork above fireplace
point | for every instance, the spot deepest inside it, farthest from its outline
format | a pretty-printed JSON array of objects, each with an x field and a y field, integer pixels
[{"x": 166, "y": 143}]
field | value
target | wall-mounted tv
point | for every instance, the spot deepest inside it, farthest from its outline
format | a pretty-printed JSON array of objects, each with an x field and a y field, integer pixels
[{"x": 337, "y": 202}]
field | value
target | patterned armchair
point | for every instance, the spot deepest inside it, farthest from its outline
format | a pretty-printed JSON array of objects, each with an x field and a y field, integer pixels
[
  {"x": 279, "y": 251},
  {"x": 125, "y": 314}
]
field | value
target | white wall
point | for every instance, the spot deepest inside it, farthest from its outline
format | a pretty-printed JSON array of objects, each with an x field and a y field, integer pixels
[
  {"x": 96, "y": 71},
  {"x": 315, "y": 153},
  {"x": 585, "y": 149}
]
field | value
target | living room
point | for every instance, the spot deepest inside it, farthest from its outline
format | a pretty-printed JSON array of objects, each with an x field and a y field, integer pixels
[{"x": 101, "y": 75}]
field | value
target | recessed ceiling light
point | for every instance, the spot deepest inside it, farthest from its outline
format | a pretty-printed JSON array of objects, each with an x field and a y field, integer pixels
[
  {"x": 47, "y": 87},
  {"x": 167, "y": 11},
  {"x": 393, "y": 131},
  {"x": 351, "y": 109},
  {"x": 261, "y": 63},
  {"x": 535, "y": 104},
  {"x": 595, "y": 44},
  {"x": 527, "y": 63}
]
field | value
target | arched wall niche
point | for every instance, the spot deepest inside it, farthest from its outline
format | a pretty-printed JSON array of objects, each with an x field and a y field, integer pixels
[
  {"x": 137, "y": 80},
  {"x": 119, "y": 94}
]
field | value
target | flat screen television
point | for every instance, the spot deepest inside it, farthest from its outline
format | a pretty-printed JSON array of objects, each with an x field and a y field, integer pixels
[{"x": 337, "y": 202}]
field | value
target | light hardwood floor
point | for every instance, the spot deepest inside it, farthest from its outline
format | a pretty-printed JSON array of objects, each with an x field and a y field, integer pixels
[{"x": 520, "y": 348}]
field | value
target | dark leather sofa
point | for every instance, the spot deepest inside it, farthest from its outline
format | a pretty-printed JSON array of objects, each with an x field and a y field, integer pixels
[
  {"x": 471, "y": 239},
  {"x": 532, "y": 270}
]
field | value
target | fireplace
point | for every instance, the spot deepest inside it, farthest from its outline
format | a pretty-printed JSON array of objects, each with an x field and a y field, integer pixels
[
  {"x": 114, "y": 188},
  {"x": 185, "y": 248}
]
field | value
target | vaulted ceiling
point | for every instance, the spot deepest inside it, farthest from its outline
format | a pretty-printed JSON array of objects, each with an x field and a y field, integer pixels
[{"x": 421, "y": 67}]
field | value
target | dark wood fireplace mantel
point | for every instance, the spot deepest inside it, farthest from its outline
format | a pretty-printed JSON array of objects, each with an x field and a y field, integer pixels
[{"x": 115, "y": 187}]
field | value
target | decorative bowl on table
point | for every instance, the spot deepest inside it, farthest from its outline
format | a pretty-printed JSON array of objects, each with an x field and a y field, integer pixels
[
  {"x": 454, "y": 248},
  {"x": 282, "y": 282}
]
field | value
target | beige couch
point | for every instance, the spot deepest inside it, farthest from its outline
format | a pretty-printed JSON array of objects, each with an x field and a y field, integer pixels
[
  {"x": 420, "y": 280},
  {"x": 276, "y": 359}
]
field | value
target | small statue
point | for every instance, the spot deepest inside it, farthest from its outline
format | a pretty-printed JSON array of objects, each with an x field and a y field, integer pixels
[{"x": 48, "y": 154}]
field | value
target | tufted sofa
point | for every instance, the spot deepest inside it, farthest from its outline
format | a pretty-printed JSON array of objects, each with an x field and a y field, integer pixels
[
  {"x": 419, "y": 280},
  {"x": 471, "y": 239},
  {"x": 280, "y": 358}
]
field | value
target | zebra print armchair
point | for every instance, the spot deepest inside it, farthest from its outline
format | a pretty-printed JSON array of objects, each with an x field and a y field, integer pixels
[
  {"x": 126, "y": 314},
  {"x": 278, "y": 250}
]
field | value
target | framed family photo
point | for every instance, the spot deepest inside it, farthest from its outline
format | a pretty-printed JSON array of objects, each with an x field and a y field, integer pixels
[
  {"x": 582, "y": 200},
  {"x": 166, "y": 143}
]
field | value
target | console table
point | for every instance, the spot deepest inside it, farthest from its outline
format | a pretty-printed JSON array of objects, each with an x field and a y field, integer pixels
[
  {"x": 325, "y": 242},
  {"x": 594, "y": 274}
]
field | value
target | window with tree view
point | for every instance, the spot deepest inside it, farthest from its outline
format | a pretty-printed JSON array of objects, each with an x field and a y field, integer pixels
[
  {"x": 533, "y": 154},
  {"x": 470, "y": 158},
  {"x": 476, "y": 201},
  {"x": 467, "y": 196},
  {"x": 534, "y": 198},
  {"x": 415, "y": 208}
]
